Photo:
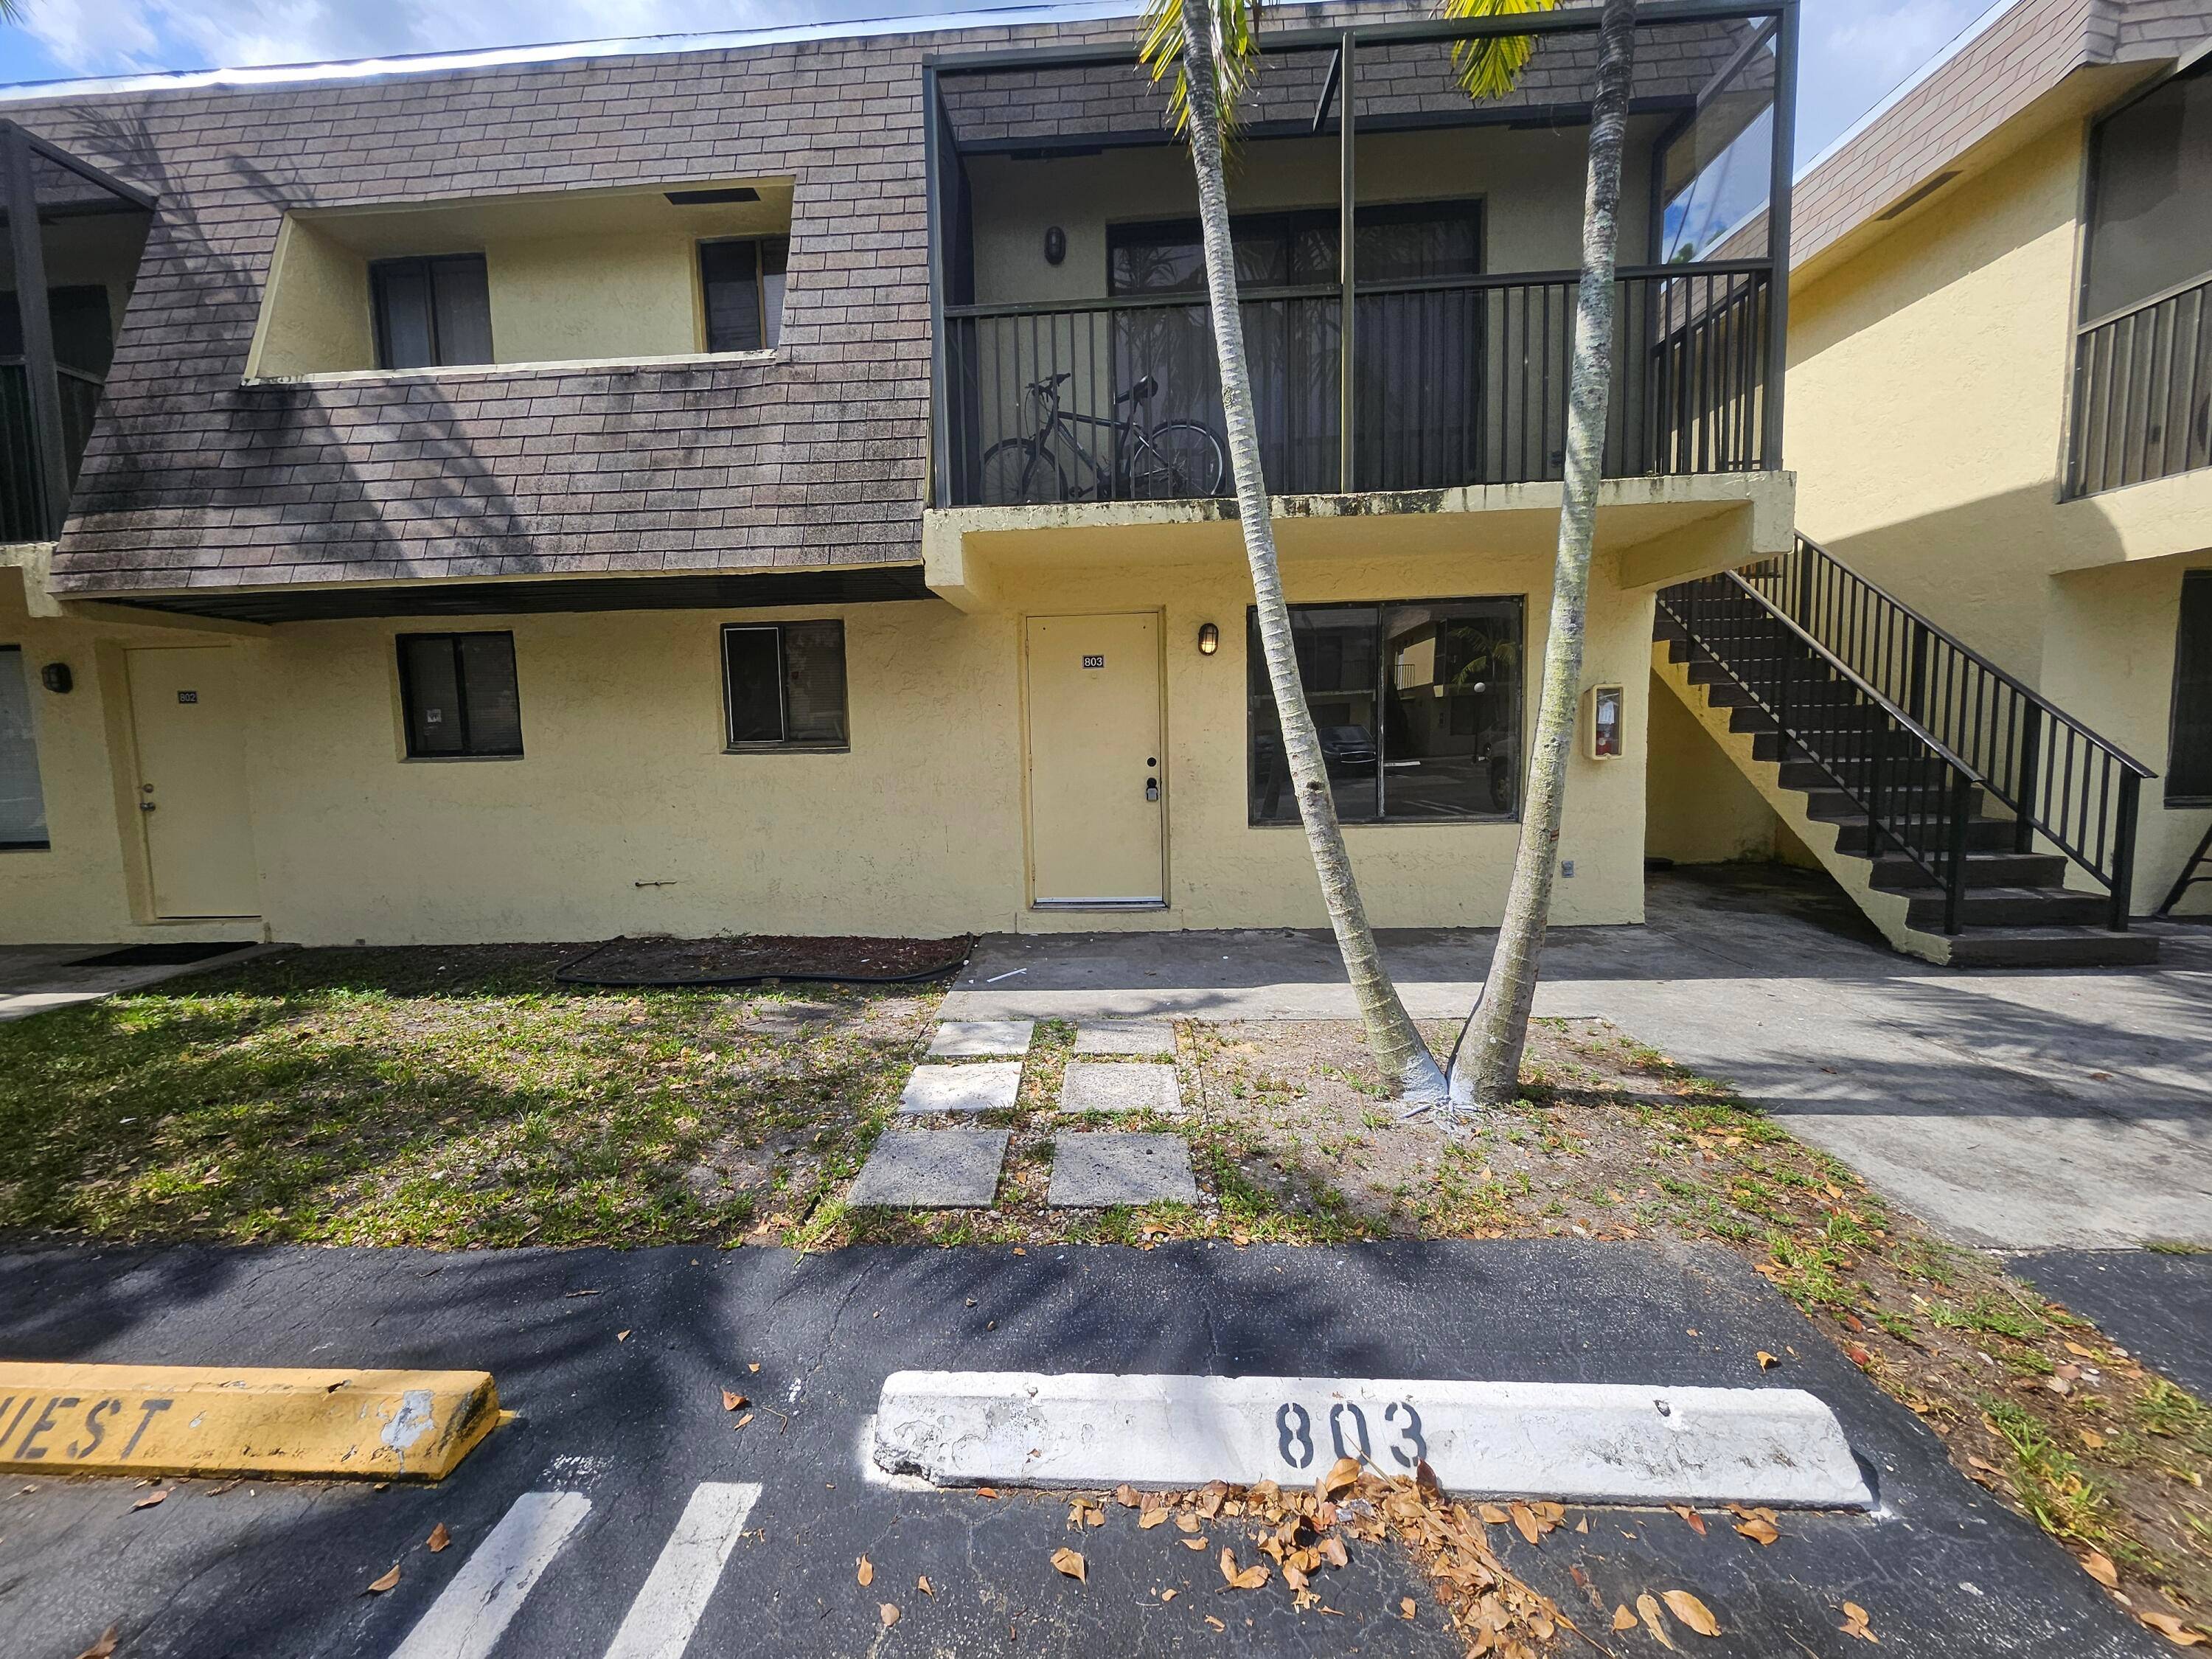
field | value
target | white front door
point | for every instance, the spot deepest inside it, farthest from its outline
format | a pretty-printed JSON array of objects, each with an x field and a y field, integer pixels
[
  {"x": 188, "y": 716},
  {"x": 1097, "y": 795}
]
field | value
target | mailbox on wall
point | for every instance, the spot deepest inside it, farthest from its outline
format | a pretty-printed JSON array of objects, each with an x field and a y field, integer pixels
[{"x": 1604, "y": 722}]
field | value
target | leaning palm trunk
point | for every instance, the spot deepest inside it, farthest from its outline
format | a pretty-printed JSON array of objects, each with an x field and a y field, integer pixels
[
  {"x": 1486, "y": 1070},
  {"x": 1398, "y": 1047}
]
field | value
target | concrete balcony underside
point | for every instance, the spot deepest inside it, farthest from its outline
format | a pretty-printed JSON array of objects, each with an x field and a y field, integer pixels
[{"x": 1650, "y": 531}]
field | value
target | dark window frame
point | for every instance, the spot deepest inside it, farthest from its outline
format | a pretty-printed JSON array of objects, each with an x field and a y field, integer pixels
[
  {"x": 732, "y": 743},
  {"x": 1289, "y": 223},
  {"x": 770, "y": 317},
  {"x": 2184, "y": 660},
  {"x": 2094, "y": 187},
  {"x": 427, "y": 264},
  {"x": 23, "y": 660},
  {"x": 1518, "y": 604},
  {"x": 468, "y": 750}
]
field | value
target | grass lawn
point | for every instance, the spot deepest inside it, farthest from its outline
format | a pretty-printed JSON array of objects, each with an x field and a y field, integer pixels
[
  {"x": 461, "y": 1097},
  {"x": 446, "y": 1098}
]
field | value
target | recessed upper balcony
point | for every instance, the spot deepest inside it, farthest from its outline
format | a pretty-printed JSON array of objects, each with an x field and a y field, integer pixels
[
  {"x": 1431, "y": 351},
  {"x": 689, "y": 270}
]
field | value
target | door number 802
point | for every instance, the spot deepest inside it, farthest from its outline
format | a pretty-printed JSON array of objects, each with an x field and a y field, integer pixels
[{"x": 1294, "y": 1436}]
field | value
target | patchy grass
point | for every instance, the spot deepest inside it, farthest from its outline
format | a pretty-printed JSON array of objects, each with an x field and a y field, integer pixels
[{"x": 447, "y": 1098}]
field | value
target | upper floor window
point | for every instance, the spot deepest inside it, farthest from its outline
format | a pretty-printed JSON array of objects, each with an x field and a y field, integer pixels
[
  {"x": 2150, "y": 197},
  {"x": 431, "y": 312},
  {"x": 460, "y": 696},
  {"x": 23, "y": 802},
  {"x": 741, "y": 282}
]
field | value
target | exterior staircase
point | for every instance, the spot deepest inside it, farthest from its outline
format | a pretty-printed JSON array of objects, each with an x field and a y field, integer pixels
[{"x": 1976, "y": 824}]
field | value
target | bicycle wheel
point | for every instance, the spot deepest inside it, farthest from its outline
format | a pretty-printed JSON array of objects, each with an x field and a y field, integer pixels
[
  {"x": 1180, "y": 461},
  {"x": 1017, "y": 473}
]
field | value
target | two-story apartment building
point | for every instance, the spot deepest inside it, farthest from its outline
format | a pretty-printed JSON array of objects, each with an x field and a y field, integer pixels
[
  {"x": 2000, "y": 392},
  {"x": 775, "y": 485}
]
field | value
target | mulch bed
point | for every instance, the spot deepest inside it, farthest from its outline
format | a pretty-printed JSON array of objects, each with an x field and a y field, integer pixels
[{"x": 750, "y": 958}]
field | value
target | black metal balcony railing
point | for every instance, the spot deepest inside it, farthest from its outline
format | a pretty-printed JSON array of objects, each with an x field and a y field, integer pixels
[
  {"x": 2060, "y": 780},
  {"x": 23, "y": 513},
  {"x": 2142, "y": 393},
  {"x": 1453, "y": 383}
]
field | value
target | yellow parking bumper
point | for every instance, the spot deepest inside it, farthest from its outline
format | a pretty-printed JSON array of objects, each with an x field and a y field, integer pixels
[{"x": 225, "y": 1420}]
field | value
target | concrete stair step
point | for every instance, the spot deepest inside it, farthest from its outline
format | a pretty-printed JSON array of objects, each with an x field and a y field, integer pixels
[
  {"x": 1857, "y": 837},
  {"x": 1894, "y": 873},
  {"x": 1827, "y": 802},
  {"x": 2052, "y": 947},
  {"x": 2012, "y": 907}
]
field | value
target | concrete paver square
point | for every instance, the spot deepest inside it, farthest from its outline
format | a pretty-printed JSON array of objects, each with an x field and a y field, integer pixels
[
  {"x": 932, "y": 1169},
  {"x": 966, "y": 1039},
  {"x": 989, "y": 1088},
  {"x": 1092, "y": 1086},
  {"x": 1146, "y": 1038},
  {"x": 1101, "y": 1169}
]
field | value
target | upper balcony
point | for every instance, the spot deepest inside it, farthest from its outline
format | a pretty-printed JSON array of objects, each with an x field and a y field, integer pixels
[{"x": 1407, "y": 261}]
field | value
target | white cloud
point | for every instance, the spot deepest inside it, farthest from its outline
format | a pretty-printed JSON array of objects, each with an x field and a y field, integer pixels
[
  {"x": 110, "y": 36},
  {"x": 1856, "y": 51}
]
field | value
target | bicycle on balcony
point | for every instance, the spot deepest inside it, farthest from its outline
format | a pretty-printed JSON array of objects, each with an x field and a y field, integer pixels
[{"x": 1176, "y": 460}]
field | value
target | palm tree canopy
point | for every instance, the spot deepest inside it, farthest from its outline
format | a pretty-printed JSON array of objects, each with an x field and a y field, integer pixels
[
  {"x": 1236, "y": 32},
  {"x": 1490, "y": 67}
]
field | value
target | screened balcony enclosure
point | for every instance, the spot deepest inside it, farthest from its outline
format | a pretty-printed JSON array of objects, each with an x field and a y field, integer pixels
[
  {"x": 74, "y": 236},
  {"x": 1407, "y": 260}
]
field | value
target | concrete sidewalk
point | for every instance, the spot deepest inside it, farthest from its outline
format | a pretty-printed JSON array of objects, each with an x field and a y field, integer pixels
[
  {"x": 2021, "y": 1110},
  {"x": 34, "y": 978}
]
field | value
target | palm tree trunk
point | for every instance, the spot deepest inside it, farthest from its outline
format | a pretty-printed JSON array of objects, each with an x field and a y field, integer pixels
[
  {"x": 1399, "y": 1050},
  {"x": 1488, "y": 1073}
]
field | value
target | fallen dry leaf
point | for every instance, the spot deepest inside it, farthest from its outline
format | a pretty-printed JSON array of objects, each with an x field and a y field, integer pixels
[
  {"x": 2091, "y": 1439},
  {"x": 923, "y": 1585},
  {"x": 1647, "y": 1608},
  {"x": 1767, "y": 1362},
  {"x": 754, "y": 1368},
  {"x": 1692, "y": 1612},
  {"x": 1125, "y": 1496},
  {"x": 104, "y": 1648},
  {"x": 1193, "y": 1543},
  {"x": 2081, "y": 1352},
  {"x": 1251, "y": 1577},
  {"x": 866, "y": 1572},
  {"x": 438, "y": 1538},
  {"x": 733, "y": 1401},
  {"x": 1343, "y": 1474},
  {"x": 2173, "y": 1630},
  {"x": 1623, "y": 1619},
  {"x": 889, "y": 1614},
  {"x": 1760, "y": 1532},
  {"x": 1524, "y": 1521},
  {"x": 1167, "y": 1595},
  {"x": 150, "y": 1499},
  {"x": 622, "y": 1336},
  {"x": 2101, "y": 1568},
  {"x": 1332, "y": 1551},
  {"x": 1406, "y": 1607},
  {"x": 1697, "y": 1522},
  {"x": 746, "y": 1418},
  {"x": 1855, "y": 1623},
  {"x": 1071, "y": 1563},
  {"x": 389, "y": 1581},
  {"x": 986, "y": 1491},
  {"x": 1151, "y": 1518},
  {"x": 1216, "y": 1623},
  {"x": 1493, "y": 1514}
]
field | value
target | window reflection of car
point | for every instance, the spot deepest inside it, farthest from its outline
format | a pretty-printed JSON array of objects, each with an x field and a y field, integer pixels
[{"x": 1346, "y": 749}]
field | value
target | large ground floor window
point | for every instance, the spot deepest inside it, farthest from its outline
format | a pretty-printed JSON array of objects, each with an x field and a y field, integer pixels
[
  {"x": 23, "y": 802},
  {"x": 1419, "y": 706}
]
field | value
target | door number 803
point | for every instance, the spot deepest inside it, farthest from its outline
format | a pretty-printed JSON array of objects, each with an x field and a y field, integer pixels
[{"x": 1348, "y": 1435}]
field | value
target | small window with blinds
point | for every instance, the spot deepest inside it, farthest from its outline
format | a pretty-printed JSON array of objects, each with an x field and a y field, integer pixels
[
  {"x": 460, "y": 697},
  {"x": 783, "y": 686}
]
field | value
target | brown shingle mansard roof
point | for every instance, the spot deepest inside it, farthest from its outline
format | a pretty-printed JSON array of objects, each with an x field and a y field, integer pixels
[
  {"x": 2020, "y": 56},
  {"x": 812, "y": 459}
]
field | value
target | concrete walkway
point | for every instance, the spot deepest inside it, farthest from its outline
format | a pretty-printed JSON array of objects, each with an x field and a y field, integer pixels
[
  {"x": 34, "y": 978},
  {"x": 2021, "y": 1110}
]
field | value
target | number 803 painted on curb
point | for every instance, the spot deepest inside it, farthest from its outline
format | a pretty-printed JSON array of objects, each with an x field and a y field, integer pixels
[{"x": 1294, "y": 1439}]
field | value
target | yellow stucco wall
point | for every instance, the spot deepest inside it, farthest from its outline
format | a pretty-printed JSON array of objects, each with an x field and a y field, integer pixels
[
  {"x": 1928, "y": 397},
  {"x": 1702, "y": 809},
  {"x": 625, "y": 815}
]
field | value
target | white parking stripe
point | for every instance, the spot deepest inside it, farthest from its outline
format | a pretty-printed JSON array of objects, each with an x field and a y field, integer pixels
[
  {"x": 660, "y": 1621},
  {"x": 466, "y": 1622}
]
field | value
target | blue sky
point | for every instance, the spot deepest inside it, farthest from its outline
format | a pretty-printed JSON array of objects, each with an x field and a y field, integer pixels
[{"x": 1855, "y": 51}]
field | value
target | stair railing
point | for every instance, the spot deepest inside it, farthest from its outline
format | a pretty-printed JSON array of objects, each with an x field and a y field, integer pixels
[
  {"x": 2061, "y": 780},
  {"x": 1919, "y": 796}
]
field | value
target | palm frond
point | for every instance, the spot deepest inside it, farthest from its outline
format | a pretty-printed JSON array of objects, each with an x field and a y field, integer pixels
[
  {"x": 1235, "y": 25},
  {"x": 1491, "y": 67}
]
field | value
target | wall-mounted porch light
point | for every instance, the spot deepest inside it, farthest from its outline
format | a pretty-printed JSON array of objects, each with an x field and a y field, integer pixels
[
  {"x": 1055, "y": 245},
  {"x": 1209, "y": 639}
]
